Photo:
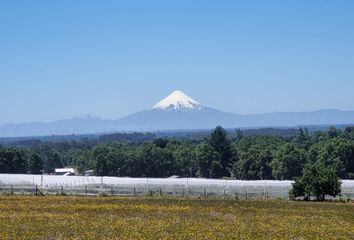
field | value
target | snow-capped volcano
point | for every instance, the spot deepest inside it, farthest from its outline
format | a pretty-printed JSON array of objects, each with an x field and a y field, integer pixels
[
  {"x": 178, "y": 101},
  {"x": 177, "y": 111}
]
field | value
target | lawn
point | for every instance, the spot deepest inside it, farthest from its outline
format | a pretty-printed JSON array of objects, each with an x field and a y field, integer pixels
[{"x": 75, "y": 217}]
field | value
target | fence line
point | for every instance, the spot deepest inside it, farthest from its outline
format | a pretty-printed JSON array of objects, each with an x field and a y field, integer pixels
[
  {"x": 267, "y": 193},
  {"x": 140, "y": 191},
  {"x": 115, "y": 186}
]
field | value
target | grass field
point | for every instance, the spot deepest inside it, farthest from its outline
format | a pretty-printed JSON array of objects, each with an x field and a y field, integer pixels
[{"x": 70, "y": 217}]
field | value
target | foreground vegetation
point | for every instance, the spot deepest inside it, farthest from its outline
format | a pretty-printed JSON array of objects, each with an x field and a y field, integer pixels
[
  {"x": 72, "y": 217},
  {"x": 138, "y": 155}
]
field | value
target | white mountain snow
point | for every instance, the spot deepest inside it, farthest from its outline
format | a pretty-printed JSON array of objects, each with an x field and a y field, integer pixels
[{"x": 178, "y": 101}]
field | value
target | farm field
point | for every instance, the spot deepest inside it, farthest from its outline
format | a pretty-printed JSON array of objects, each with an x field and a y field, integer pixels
[{"x": 78, "y": 217}]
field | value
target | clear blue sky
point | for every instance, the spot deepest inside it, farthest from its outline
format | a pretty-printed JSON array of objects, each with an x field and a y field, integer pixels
[{"x": 60, "y": 59}]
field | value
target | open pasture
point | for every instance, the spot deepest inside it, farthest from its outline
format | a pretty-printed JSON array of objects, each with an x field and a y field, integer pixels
[{"x": 78, "y": 217}]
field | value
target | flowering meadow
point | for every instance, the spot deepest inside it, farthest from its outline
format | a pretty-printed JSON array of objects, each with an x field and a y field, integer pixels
[{"x": 78, "y": 217}]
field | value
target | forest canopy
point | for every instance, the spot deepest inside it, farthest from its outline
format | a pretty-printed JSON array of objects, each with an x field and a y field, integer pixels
[{"x": 218, "y": 154}]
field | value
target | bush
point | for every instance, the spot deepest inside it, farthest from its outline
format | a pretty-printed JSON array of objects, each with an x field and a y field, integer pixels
[
  {"x": 342, "y": 199},
  {"x": 317, "y": 181}
]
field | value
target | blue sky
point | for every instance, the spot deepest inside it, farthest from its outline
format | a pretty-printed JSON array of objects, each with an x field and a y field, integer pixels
[{"x": 60, "y": 59}]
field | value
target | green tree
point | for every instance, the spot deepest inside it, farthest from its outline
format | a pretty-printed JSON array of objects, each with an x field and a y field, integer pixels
[
  {"x": 160, "y": 142},
  {"x": 222, "y": 145},
  {"x": 99, "y": 155},
  {"x": 5, "y": 161},
  {"x": 317, "y": 181},
  {"x": 35, "y": 164},
  {"x": 184, "y": 157},
  {"x": 254, "y": 155},
  {"x": 157, "y": 161},
  {"x": 101, "y": 168},
  {"x": 349, "y": 133},
  {"x": 333, "y": 132},
  {"x": 303, "y": 139},
  {"x": 52, "y": 161},
  {"x": 254, "y": 164},
  {"x": 289, "y": 162},
  {"x": 115, "y": 162},
  {"x": 239, "y": 134},
  {"x": 19, "y": 162},
  {"x": 338, "y": 153},
  {"x": 207, "y": 160}
]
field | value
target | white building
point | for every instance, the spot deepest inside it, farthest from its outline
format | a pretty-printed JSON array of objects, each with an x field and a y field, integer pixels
[{"x": 68, "y": 171}]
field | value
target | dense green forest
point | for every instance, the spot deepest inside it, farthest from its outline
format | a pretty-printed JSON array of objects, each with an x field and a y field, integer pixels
[{"x": 217, "y": 155}]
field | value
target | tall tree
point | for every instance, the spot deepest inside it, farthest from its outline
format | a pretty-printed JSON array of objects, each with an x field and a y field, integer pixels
[{"x": 222, "y": 145}]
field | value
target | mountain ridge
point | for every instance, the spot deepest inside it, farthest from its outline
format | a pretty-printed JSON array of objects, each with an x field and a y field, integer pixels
[{"x": 177, "y": 111}]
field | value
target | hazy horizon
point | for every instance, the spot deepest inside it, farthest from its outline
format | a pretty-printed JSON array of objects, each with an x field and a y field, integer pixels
[
  {"x": 90, "y": 115},
  {"x": 65, "y": 59}
]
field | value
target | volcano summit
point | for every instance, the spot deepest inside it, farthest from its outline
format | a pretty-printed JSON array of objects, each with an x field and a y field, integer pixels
[{"x": 178, "y": 101}]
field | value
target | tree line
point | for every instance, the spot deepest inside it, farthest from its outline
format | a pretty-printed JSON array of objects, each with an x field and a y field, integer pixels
[{"x": 216, "y": 156}]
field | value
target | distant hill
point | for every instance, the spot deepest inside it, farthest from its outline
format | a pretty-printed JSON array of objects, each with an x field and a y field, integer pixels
[
  {"x": 135, "y": 137},
  {"x": 178, "y": 112}
]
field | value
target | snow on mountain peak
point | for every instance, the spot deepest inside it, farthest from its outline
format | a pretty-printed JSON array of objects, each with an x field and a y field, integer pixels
[{"x": 178, "y": 101}]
